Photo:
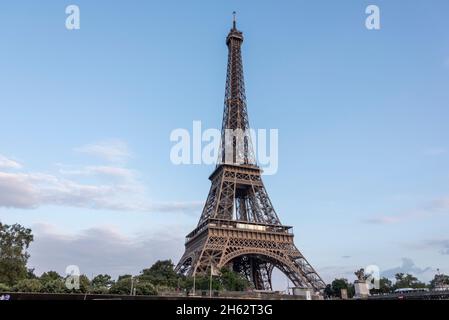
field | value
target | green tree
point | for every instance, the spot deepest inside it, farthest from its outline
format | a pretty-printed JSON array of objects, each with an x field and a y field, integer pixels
[
  {"x": 407, "y": 281},
  {"x": 4, "y": 288},
  {"x": 53, "y": 286},
  {"x": 329, "y": 292},
  {"x": 203, "y": 283},
  {"x": 439, "y": 280},
  {"x": 28, "y": 285},
  {"x": 233, "y": 281},
  {"x": 101, "y": 284},
  {"x": 145, "y": 288},
  {"x": 142, "y": 287},
  {"x": 122, "y": 286},
  {"x": 84, "y": 285},
  {"x": 30, "y": 274},
  {"x": 385, "y": 286},
  {"x": 161, "y": 273},
  {"x": 339, "y": 284},
  {"x": 14, "y": 241},
  {"x": 125, "y": 276},
  {"x": 351, "y": 290},
  {"x": 49, "y": 276},
  {"x": 102, "y": 280},
  {"x": 99, "y": 290}
]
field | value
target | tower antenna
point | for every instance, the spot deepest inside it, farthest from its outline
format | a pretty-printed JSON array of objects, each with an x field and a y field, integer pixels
[{"x": 234, "y": 20}]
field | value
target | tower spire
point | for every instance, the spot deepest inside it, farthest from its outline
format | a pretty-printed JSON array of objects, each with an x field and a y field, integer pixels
[
  {"x": 235, "y": 112},
  {"x": 234, "y": 20}
]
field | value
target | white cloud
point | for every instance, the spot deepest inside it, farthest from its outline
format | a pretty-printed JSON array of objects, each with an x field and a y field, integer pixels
[
  {"x": 329, "y": 273},
  {"x": 6, "y": 163},
  {"x": 435, "y": 151},
  {"x": 383, "y": 220},
  {"x": 31, "y": 190},
  {"x": 25, "y": 190},
  {"x": 408, "y": 266},
  {"x": 110, "y": 150},
  {"x": 176, "y": 206},
  {"x": 105, "y": 171},
  {"x": 17, "y": 190},
  {"x": 430, "y": 209},
  {"x": 104, "y": 187},
  {"x": 441, "y": 245},
  {"x": 102, "y": 249}
]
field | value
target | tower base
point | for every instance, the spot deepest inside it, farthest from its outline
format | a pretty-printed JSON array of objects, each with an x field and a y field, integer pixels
[{"x": 253, "y": 250}]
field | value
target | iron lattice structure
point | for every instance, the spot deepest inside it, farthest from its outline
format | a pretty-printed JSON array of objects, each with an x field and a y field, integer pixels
[{"x": 239, "y": 227}]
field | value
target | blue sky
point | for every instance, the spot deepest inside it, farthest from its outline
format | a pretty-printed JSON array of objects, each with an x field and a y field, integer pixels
[{"x": 86, "y": 115}]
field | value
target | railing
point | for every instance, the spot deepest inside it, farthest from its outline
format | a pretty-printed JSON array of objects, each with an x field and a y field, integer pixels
[
  {"x": 430, "y": 295},
  {"x": 239, "y": 225},
  {"x": 253, "y": 226}
]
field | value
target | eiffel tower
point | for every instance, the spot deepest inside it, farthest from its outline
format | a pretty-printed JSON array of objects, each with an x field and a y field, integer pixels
[{"x": 239, "y": 227}]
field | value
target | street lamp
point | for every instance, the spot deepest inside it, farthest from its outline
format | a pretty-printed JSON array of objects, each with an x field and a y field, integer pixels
[
  {"x": 133, "y": 288},
  {"x": 194, "y": 279},
  {"x": 210, "y": 280}
]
